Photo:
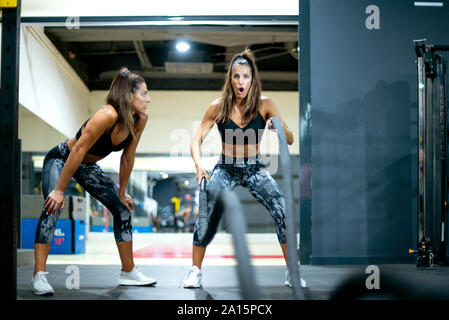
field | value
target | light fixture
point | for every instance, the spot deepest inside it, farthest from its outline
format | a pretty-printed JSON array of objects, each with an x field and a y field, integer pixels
[
  {"x": 182, "y": 46},
  {"x": 176, "y": 18},
  {"x": 164, "y": 175},
  {"x": 186, "y": 183},
  {"x": 428, "y": 4}
]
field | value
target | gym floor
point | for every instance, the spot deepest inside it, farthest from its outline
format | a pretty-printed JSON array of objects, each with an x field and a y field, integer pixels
[{"x": 167, "y": 257}]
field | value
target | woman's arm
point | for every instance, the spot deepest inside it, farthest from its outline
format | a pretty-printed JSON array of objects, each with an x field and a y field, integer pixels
[
  {"x": 201, "y": 133},
  {"x": 271, "y": 112},
  {"x": 101, "y": 121},
  {"x": 127, "y": 162}
]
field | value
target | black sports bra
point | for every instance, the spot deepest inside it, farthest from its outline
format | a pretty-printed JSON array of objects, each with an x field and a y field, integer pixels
[
  {"x": 250, "y": 134},
  {"x": 103, "y": 146}
]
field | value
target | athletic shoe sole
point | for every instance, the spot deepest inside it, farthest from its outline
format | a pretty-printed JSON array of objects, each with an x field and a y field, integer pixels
[
  {"x": 135, "y": 283},
  {"x": 44, "y": 293},
  {"x": 289, "y": 285},
  {"x": 193, "y": 287}
]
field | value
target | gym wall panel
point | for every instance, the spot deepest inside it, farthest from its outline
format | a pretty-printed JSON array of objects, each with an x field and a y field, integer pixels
[
  {"x": 48, "y": 86},
  {"x": 36, "y": 134},
  {"x": 364, "y": 134}
]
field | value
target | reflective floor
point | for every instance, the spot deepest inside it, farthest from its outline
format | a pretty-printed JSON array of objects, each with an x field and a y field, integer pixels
[
  {"x": 173, "y": 249},
  {"x": 167, "y": 258}
]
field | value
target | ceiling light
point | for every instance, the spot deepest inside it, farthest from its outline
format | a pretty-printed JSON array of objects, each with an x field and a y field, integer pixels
[
  {"x": 182, "y": 46},
  {"x": 176, "y": 18}
]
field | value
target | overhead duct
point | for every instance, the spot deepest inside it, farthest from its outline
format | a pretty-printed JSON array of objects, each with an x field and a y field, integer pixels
[
  {"x": 264, "y": 75},
  {"x": 189, "y": 67},
  {"x": 109, "y": 75}
]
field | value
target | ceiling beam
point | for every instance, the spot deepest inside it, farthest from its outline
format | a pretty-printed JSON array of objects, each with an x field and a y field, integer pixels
[
  {"x": 264, "y": 75},
  {"x": 292, "y": 48},
  {"x": 143, "y": 57}
]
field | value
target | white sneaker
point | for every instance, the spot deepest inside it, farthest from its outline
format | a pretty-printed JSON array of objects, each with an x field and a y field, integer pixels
[
  {"x": 193, "y": 278},
  {"x": 135, "y": 278},
  {"x": 288, "y": 282},
  {"x": 40, "y": 284}
]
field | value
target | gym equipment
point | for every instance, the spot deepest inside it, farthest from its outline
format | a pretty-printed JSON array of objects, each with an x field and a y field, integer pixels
[
  {"x": 209, "y": 227},
  {"x": 70, "y": 230},
  {"x": 229, "y": 204},
  {"x": 202, "y": 213},
  {"x": 292, "y": 246},
  {"x": 166, "y": 219},
  {"x": 432, "y": 154}
]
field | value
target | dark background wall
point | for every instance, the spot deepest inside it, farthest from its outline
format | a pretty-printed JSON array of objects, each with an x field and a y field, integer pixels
[
  {"x": 164, "y": 191},
  {"x": 363, "y": 94}
]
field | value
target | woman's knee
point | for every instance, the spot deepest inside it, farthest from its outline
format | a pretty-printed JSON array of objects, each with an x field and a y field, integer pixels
[
  {"x": 196, "y": 240},
  {"x": 45, "y": 228},
  {"x": 50, "y": 175},
  {"x": 199, "y": 243},
  {"x": 282, "y": 239}
]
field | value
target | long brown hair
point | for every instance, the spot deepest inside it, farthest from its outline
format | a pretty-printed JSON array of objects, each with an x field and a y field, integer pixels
[
  {"x": 252, "y": 99},
  {"x": 119, "y": 96}
]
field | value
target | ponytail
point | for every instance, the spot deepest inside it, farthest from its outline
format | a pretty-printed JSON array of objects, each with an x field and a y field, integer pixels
[{"x": 123, "y": 85}]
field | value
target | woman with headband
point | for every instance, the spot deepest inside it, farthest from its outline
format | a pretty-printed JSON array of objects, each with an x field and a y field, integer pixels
[
  {"x": 241, "y": 114},
  {"x": 118, "y": 125}
]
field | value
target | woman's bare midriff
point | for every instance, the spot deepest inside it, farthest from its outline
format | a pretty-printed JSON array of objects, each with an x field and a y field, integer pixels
[
  {"x": 239, "y": 151},
  {"x": 88, "y": 158}
]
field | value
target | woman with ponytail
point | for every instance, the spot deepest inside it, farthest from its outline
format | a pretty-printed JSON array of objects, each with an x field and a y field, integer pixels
[{"x": 118, "y": 125}]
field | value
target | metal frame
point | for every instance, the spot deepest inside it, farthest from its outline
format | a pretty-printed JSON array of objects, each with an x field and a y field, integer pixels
[
  {"x": 121, "y": 21},
  {"x": 432, "y": 155},
  {"x": 305, "y": 124},
  {"x": 9, "y": 169}
]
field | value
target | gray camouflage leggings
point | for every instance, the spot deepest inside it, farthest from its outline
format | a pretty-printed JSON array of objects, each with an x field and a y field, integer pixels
[
  {"x": 92, "y": 178},
  {"x": 259, "y": 183}
]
